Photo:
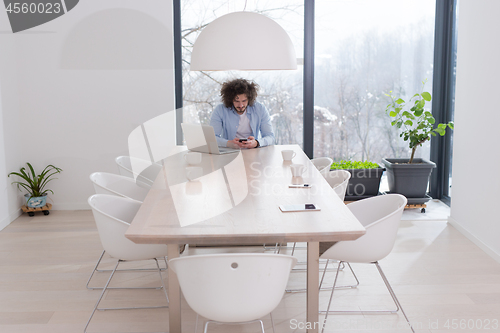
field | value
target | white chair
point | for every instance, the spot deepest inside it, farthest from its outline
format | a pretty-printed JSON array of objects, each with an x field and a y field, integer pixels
[
  {"x": 113, "y": 216},
  {"x": 381, "y": 216},
  {"x": 323, "y": 164},
  {"x": 233, "y": 288},
  {"x": 127, "y": 164},
  {"x": 108, "y": 183},
  {"x": 338, "y": 180}
]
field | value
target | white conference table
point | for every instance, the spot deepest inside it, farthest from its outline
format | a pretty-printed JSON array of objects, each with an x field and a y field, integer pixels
[{"x": 236, "y": 201}]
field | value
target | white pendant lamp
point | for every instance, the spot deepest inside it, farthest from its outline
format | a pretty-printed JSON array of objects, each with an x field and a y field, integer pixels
[{"x": 243, "y": 41}]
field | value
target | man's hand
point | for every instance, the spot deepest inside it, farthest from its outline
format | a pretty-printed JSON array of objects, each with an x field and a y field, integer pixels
[
  {"x": 235, "y": 144},
  {"x": 250, "y": 143}
]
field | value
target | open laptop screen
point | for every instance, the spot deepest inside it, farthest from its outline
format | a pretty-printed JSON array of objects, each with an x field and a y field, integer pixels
[{"x": 201, "y": 138}]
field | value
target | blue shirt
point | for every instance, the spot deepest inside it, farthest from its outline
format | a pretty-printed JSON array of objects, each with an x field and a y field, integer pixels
[{"x": 225, "y": 122}]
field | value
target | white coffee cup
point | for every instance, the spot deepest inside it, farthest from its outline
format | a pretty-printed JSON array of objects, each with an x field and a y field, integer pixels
[
  {"x": 297, "y": 169},
  {"x": 288, "y": 154},
  {"x": 193, "y": 158},
  {"x": 194, "y": 172}
]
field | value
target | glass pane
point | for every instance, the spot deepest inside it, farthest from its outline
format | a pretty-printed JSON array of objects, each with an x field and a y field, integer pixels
[
  {"x": 280, "y": 91},
  {"x": 364, "y": 50}
]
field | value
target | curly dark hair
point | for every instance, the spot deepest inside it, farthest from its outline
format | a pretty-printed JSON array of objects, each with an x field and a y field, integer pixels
[{"x": 231, "y": 89}]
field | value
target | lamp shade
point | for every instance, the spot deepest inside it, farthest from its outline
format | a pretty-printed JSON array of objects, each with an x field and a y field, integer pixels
[{"x": 243, "y": 41}]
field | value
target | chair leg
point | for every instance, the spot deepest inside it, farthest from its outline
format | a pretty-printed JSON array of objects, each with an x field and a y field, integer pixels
[
  {"x": 161, "y": 279},
  {"x": 272, "y": 323},
  {"x": 342, "y": 266},
  {"x": 389, "y": 288},
  {"x": 340, "y": 287},
  {"x": 100, "y": 297},
  {"x": 331, "y": 297},
  {"x": 143, "y": 307},
  {"x": 96, "y": 269},
  {"x": 360, "y": 311},
  {"x": 269, "y": 248},
  {"x": 222, "y": 323},
  {"x": 106, "y": 287},
  {"x": 388, "y": 285},
  {"x": 262, "y": 326}
]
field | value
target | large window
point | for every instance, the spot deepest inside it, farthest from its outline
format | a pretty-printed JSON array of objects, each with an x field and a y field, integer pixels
[
  {"x": 280, "y": 91},
  {"x": 364, "y": 50}
]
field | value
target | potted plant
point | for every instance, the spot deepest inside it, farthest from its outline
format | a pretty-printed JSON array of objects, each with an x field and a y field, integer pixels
[
  {"x": 365, "y": 178},
  {"x": 411, "y": 176},
  {"x": 35, "y": 184}
]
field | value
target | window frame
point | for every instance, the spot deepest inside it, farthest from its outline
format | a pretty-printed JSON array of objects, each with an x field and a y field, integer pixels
[{"x": 443, "y": 95}]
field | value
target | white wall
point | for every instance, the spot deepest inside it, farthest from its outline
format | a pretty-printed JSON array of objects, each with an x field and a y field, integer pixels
[
  {"x": 9, "y": 144},
  {"x": 476, "y": 156},
  {"x": 73, "y": 89}
]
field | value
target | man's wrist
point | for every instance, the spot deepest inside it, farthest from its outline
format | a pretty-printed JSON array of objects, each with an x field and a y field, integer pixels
[{"x": 258, "y": 144}]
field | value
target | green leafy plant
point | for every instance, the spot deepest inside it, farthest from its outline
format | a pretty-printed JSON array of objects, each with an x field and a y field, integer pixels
[
  {"x": 353, "y": 165},
  {"x": 33, "y": 183},
  {"x": 417, "y": 125}
]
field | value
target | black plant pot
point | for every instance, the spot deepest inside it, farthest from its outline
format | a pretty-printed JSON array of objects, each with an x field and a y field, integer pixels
[
  {"x": 407, "y": 179},
  {"x": 364, "y": 183}
]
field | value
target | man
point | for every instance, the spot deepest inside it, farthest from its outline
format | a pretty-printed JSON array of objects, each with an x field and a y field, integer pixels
[{"x": 241, "y": 117}]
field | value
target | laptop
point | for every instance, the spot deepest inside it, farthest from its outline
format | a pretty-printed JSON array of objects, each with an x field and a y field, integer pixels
[{"x": 201, "y": 138}]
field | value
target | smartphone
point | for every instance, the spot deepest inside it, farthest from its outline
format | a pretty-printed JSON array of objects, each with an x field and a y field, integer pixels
[
  {"x": 299, "y": 208},
  {"x": 241, "y": 140}
]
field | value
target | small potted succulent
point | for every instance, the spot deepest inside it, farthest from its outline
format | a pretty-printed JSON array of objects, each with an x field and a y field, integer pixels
[
  {"x": 365, "y": 178},
  {"x": 35, "y": 184},
  {"x": 411, "y": 176}
]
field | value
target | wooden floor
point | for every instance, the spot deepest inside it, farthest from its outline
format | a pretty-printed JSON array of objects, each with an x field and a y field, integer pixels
[{"x": 442, "y": 280}]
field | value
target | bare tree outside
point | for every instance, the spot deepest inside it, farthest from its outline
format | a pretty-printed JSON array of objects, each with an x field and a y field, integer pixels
[
  {"x": 355, "y": 69},
  {"x": 356, "y": 63}
]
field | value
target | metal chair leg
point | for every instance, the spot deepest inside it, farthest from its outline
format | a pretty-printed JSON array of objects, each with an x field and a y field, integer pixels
[
  {"x": 100, "y": 297},
  {"x": 106, "y": 287},
  {"x": 120, "y": 270},
  {"x": 342, "y": 266},
  {"x": 262, "y": 326},
  {"x": 353, "y": 311},
  {"x": 95, "y": 269},
  {"x": 389, "y": 288},
  {"x": 269, "y": 248},
  {"x": 246, "y": 322},
  {"x": 330, "y": 301},
  {"x": 340, "y": 287},
  {"x": 388, "y": 285},
  {"x": 161, "y": 279}
]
